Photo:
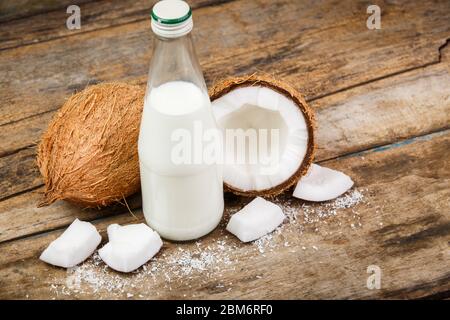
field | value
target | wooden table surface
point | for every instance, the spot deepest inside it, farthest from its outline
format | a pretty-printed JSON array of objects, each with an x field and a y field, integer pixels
[{"x": 382, "y": 100}]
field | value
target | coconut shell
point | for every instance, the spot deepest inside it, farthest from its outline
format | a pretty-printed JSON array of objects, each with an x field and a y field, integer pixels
[
  {"x": 284, "y": 88},
  {"x": 88, "y": 155}
]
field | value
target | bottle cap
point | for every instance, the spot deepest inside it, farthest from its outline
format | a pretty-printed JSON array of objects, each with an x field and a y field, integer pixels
[{"x": 171, "y": 18}]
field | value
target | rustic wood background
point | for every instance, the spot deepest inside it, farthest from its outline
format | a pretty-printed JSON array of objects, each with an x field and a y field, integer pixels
[{"x": 382, "y": 99}]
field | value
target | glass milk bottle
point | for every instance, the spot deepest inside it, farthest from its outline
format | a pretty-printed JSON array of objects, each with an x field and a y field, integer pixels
[{"x": 182, "y": 193}]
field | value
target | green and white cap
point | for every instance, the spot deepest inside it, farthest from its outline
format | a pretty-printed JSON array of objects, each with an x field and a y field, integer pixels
[{"x": 171, "y": 18}]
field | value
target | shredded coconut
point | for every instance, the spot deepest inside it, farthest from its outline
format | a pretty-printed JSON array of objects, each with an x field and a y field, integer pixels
[{"x": 212, "y": 261}]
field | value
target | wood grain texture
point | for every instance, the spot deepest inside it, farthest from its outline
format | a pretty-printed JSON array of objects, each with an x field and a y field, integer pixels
[
  {"x": 405, "y": 229},
  {"x": 411, "y": 104},
  {"x": 94, "y": 15},
  {"x": 20, "y": 216},
  {"x": 375, "y": 114},
  {"x": 22, "y": 166},
  {"x": 324, "y": 51},
  {"x": 372, "y": 90},
  {"x": 27, "y": 9}
]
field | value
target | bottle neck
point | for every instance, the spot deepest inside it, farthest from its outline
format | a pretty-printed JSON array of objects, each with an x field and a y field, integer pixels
[{"x": 174, "y": 59}]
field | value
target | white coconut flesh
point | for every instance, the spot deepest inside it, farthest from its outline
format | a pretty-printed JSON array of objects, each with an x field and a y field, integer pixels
[
  {"x": 74, "y": 246},
  {"x": 255, "y": 220},
  {"x": 258, "y": 107},
  {"x": 130, "y": 246},
  {"x": 322, "y": 184}
]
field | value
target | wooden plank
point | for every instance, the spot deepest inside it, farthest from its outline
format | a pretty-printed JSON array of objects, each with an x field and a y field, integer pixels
[
  {"x": 18, "y": 172},
  {"x": 20, "y": 216},
  {"x": 94, "y": 15},
  {"x": 402, "y": 225},
  {"x": 20, "y": 9},
  {"x": 341, "y": 132},
  {"x": 407, "y": 105},
  {"x": 24, "y": 133},
  {"x": 419, "y": 94},
  {"x": 382, "y": 112},
  {"x": 325, "y": 51}
]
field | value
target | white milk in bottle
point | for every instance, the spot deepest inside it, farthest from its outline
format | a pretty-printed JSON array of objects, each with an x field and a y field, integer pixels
[{"x": 182, "y": 200}]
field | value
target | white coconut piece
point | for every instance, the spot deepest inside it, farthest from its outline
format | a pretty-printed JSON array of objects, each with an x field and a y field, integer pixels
[
  {"x": 74, "y": 246},
  {"x": 130, "y": 246},
  {"x": 261, "y": 108},
  {"x": 255, "y": 220},
  {"x": 322, "y": 184}
]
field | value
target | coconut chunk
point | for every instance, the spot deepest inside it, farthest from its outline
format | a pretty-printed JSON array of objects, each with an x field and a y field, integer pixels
[
  {"x": 322, "y": 184},
  {"x": 255, "y": 220},
  {"x": 74, "y": 246},
  {"x": 130, "y": 246}
]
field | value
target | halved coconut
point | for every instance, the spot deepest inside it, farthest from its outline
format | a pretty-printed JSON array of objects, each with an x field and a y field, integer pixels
[
  {"x": 275, "y": 125},
  {"x": 322, "y": 184}
]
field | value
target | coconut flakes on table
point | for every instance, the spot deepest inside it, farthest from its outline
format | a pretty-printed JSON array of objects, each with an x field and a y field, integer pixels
[
  {"x": 314, "y": 213},
  {"x": 93, "y": 276},
  {"x": 182, "y": 264}
]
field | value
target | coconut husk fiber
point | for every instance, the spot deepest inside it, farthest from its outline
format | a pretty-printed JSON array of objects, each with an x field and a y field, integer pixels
[{"x": 88, "y": 155}]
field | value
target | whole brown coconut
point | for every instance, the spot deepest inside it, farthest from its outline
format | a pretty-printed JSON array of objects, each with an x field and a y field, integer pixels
[
  {"x": 88, "y": 155},
  {"x": 263, "y": 80}
]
